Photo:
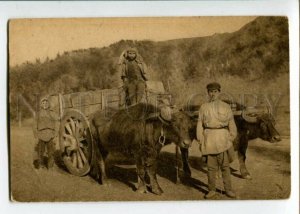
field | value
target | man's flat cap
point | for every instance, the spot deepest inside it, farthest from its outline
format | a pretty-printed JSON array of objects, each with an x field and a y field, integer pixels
[{"x": 213, "y": 85}]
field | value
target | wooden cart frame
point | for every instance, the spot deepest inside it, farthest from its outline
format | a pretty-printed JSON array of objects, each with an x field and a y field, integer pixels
[{"x": 75, "y": 111}]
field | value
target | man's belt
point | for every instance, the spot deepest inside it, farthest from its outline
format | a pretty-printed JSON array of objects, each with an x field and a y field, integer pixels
[{"x": 221, "y": 127}]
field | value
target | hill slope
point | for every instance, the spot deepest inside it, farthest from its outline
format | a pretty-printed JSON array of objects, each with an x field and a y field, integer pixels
[{"x": 257, "y": 52}]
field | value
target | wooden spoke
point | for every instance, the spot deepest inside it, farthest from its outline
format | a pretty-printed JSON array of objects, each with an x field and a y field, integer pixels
[
  {"x": 67, "y": 136},
  {"x": 81, "y": 132},
  {"x": 81, "y": 145},
  {"x": 79, "y": 161},
  {"x": 72, "y": 123},
  {"x": 74, "y": 159},
  {"x": 76, "y": 142},
  {"x": 82, "y": 155},
  {"x": 77, "y": 125},
  {"x": 68, "y": 128}
]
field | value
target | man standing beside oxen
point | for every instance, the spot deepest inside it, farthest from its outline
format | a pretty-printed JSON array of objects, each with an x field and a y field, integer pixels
[{"x": 216, "y": 131}]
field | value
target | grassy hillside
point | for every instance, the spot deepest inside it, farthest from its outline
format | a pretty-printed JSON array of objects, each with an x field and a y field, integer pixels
[{"x": 254, "y": 59}]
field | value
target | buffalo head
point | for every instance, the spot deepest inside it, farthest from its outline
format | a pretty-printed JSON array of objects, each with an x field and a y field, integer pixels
[
  {"x": 177, "y": 124},
  {"x": 267, "y": 126},
  {"x": 264, "y": 124}
]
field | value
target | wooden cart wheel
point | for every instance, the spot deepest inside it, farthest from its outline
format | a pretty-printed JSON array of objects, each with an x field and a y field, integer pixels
[{"x": 76, "y": 142}]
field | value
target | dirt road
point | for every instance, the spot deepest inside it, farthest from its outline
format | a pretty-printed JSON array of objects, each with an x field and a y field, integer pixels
[{"x": 269, "y": 165}]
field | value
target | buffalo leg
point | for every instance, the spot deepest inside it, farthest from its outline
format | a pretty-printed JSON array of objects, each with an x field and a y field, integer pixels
[
  {"x": 151, "y": 171},
  {"x": 103, "y": 178},
  {"x": 185, "y": 162},
  {"x": 242, "y": 148},
  {"x": 99, "y": 157},
  {"x": 142, "y": 188}
]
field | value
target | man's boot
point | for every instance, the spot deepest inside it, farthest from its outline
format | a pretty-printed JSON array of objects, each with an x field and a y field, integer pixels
[{"x": 230, "y": 194}]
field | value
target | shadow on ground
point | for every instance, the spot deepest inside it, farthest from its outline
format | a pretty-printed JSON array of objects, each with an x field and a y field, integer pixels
[
  {"x": 124, "y": 170},
  {"x": 272, "y": 153},
  {"x": 170, "y": 168}
]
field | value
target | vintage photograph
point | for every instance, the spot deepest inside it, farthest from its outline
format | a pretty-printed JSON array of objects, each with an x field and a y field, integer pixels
[{"x": 149, "y": 109}]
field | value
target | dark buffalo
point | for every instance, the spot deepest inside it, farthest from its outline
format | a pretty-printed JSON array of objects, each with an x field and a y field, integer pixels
[
  {"x": 258, "y": 125},
  {"x": 138, "y": 132}
]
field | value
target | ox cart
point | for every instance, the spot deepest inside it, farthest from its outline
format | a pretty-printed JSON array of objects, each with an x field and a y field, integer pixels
[{"x": 75, "y": 111}]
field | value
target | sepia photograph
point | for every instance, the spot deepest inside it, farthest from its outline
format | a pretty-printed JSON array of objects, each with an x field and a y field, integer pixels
[{"x": 149, "y": 108}]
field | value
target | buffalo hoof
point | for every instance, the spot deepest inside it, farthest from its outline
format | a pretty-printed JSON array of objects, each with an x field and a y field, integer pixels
[
  {"x": 187, "y": 172},
  {"x": 178, "y": 181},
  {"x": 157, "y": 191},
  {"x": 142, "y": 190},
  {"x": 160, "y": 189},
  {"x": 205, "y": 168},
  {"x": 106, "y": 183},
  {"x": 247, "y": 176},
  {"x": 218, "y": 175}
]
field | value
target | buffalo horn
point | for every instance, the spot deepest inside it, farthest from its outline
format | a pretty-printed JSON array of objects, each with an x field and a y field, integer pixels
[
  {"x": 249, "y": 117},
  {"x": 153, "y": 116}
]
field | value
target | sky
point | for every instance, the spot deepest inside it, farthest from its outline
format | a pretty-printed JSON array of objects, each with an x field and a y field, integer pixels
[{"x": 31, "y": 39}]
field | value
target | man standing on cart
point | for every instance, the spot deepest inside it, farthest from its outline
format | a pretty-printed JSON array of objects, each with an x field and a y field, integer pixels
[{"x": 133, "y": 75}]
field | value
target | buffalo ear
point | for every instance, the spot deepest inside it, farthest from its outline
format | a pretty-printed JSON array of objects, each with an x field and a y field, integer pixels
[{"x": 166, "y": 113}]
